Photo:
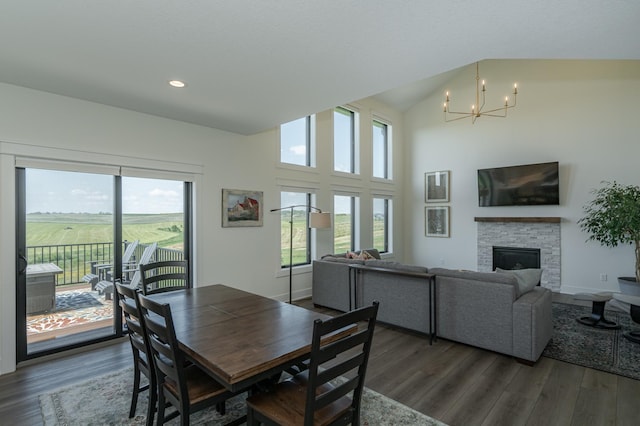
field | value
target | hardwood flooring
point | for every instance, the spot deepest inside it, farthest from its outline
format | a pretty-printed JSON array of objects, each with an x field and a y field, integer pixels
[{"x": 454, "y": 383}]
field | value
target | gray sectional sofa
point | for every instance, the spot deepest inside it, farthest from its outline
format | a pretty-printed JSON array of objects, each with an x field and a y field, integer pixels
[{"x": 484, "y": 309}]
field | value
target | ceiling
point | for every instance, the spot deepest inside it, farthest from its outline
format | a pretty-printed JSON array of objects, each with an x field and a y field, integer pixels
[{"x": 250, "y": 65}]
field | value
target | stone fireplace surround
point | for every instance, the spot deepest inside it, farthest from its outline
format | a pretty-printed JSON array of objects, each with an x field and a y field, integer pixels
[{"x": 525, "y": 232}]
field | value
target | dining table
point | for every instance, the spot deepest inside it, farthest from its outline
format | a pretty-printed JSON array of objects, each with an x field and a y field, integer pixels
[{"x": 238, "y": 337}]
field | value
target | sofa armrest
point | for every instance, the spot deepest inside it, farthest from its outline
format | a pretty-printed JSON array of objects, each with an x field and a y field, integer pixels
[
  {"x": 330, "y": 286},
  {"x": 532, "y": 324},
  {"x": 477, "y": 313}
]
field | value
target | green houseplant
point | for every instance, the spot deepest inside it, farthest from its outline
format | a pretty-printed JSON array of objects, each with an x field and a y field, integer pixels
[{"x": 613, "y": 217}]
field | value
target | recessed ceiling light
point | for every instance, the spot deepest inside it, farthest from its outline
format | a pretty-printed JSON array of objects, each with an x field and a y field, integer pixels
[{"x": 177, "y": 83}]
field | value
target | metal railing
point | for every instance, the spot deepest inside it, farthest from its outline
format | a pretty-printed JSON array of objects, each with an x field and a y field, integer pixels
[{"x": 76, "y": 260}]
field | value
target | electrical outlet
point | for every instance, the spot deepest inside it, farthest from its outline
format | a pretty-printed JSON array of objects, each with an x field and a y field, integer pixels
[{"x": 603, "y": 277}]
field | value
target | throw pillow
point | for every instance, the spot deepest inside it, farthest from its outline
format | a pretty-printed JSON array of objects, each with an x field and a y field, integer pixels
[
  {"x": 365, "y": 255},
  {"x": 527, "y": 278}
]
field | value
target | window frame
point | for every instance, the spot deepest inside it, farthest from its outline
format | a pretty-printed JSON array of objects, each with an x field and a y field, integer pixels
[
  {"x": 310, "y": 144},
  {"x": 354, "y": 206},
  {"x": 388, "y": 214},
  {"x": 308, "y": 203},
  {"x": 354, "y": 148},
  {"x": 386, "y": 151}
]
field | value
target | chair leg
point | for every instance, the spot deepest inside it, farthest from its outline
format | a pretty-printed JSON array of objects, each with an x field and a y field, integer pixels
[
  {"x": 153, "y": 399},
  {"x": 161, "y": 407},
  {"x": 221, "y": 408},
  {"x": 136, "y": 390}
]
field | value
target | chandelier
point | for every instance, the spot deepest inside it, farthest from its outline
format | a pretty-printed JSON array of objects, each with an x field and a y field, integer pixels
[{"x": 477, "y": 109}]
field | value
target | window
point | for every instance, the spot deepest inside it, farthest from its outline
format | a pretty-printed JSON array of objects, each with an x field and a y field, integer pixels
[
  {"x": 381, "y": 224},
  {"x": 345, "y": 225},
  {"x": 296, "y": 142},
  {"x": 381, "y": 150},
  {"x": 295, "y": 235},
  {"x": 344, "y": 141}
]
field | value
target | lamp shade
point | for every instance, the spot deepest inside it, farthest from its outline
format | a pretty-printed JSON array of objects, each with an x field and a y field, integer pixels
[{"x": 319, "y": 220}]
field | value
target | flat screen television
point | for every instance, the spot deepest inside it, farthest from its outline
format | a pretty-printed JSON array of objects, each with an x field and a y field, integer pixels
[{"x": 525, "y": 185}]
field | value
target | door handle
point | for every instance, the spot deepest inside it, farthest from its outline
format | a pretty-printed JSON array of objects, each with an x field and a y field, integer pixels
[{"x": 25, "y": 262}]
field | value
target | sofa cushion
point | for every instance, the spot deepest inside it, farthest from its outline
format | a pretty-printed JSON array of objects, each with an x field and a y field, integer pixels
[
  {"x": 527, "y": 278},
  {"x": 478, "y": 276},
  {"x": 363, "y": 255},
  {"x": 343, "y": 260},
  {"x": 394, "y": 265}
]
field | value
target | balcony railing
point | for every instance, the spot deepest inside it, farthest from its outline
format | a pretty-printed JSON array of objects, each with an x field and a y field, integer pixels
[{"x": 76, "y": 259}]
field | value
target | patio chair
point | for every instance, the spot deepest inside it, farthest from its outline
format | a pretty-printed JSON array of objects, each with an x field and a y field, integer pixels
[
  {"x": 106, "y": 286},
  {"x": 320, "y": 396},
  {"x": 99, "y": 271}
]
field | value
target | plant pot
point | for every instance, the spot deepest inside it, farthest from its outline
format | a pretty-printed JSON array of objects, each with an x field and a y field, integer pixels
[{"x": 629, "y": 285}]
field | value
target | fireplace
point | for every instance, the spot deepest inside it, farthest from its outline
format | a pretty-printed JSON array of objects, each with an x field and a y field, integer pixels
[
  {"x": 515, "y": 257},
  {"x": 540, "y": 233}
]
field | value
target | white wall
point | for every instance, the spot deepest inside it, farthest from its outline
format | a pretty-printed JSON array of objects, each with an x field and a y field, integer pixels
[
  {"x": 583, "y": 114},
  {"x": 246, "y": 258}
]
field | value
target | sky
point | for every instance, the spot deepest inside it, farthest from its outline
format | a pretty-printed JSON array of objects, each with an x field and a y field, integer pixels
[{"x": 72, "y": 192}]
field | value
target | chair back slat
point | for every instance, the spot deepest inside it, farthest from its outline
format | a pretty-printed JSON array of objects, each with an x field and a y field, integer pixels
[
  {"x": 164, "y": 276},
  {"x": 349, "y": 354},
  {"x": 142, "y": 358},
  {"x": 167, "y": 357}
]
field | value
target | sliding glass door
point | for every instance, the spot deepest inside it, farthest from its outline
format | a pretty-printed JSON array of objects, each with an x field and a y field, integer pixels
[{"x": 77, "y": 233}]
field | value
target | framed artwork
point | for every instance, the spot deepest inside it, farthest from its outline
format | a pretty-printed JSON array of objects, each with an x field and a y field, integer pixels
[
  {"x": 241, "y": 208},
  {"x": 436, "y": 187},
  {"x": 436, "y": 221}
]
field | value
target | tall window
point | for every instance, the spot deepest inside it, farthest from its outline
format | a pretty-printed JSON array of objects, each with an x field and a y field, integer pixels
[
  {"x": 295, "y": 239},
  {"x": 382, "y": 224},
  {"x": 345, "y": 227},
  {"x": 296, "y": 142},
  {"x": 344, "y": 141},
  {"x": 381, "y": 150}
]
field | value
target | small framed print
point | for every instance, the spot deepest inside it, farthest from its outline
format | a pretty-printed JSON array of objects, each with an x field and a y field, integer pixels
[
  {"x": 436, "y": 221},
  {"x": 436, "y": 187},
  {"x": 241, "y": 208}
]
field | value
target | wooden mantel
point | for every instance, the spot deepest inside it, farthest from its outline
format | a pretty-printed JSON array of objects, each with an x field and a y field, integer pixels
[{"x": 519, "y": 219}]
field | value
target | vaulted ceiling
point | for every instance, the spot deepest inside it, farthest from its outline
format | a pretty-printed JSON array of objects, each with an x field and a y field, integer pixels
[{"x": 250, "y": 65}]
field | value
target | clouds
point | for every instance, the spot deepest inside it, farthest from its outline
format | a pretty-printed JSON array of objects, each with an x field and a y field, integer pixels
[{"x": 71, "y": 192}]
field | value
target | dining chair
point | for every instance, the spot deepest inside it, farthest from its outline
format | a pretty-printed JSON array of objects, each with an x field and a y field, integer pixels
[
  {"x": 141, "y": 349},
  {"x": 184, "y": 386},
  {"x": 162, "y": 276},
  {"x": 330, "y": 391}
]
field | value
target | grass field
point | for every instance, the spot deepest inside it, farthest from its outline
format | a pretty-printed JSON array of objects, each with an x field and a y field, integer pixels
[{"x": 82, "y": 228}]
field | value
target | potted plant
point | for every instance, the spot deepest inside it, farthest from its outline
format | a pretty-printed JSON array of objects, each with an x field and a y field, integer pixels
[{"x": 613, "y": 217}]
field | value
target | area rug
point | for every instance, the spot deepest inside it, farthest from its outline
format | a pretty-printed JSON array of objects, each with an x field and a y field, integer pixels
[
  {"x": 105, "y": 401},
  {"x": 73, "y": 307},
  {"x": 605, "y": 350},
  {"x": 76, "y": 299}
]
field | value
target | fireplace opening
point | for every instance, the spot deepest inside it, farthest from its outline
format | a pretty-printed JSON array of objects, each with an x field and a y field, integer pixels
[{"x": 515, "y": 258}]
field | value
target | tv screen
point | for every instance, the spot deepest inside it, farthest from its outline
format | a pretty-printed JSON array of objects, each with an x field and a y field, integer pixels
[{"x": 526, "y": 185}]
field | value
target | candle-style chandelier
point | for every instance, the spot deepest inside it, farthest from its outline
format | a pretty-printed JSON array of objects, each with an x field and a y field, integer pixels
[{"x": 477, "y": 109}]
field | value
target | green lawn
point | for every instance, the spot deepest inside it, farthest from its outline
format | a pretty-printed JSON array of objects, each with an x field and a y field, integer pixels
[{"x": 82, "y": 228}]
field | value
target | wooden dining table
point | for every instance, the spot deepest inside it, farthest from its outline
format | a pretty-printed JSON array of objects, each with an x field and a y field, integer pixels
[{"x": 238, "y": 337}]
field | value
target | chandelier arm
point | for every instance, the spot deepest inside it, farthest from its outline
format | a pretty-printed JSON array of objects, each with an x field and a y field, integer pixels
[
  {"x": 458, "y": 118},
  {"x": 460, "y": 113},
  {"x": 489, "y": 113}
]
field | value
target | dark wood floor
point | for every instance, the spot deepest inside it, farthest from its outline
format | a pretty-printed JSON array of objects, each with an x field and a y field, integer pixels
[{"x": 455, "y": 383}]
